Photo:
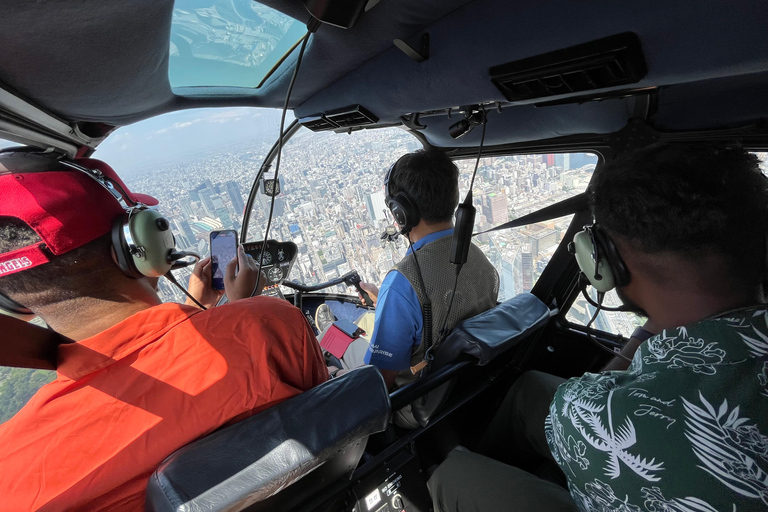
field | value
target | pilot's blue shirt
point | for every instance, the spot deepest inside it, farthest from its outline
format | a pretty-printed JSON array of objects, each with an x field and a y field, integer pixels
[{"x": 398, "y": 324}]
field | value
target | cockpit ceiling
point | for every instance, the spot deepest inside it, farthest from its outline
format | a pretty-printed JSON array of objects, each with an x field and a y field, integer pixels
[{"x": 107, "y": 62}]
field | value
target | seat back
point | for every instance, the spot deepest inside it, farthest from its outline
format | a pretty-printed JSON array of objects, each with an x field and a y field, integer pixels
[
  {"x": 483, "y": 337},
  {"x": 307, "y": 442}
]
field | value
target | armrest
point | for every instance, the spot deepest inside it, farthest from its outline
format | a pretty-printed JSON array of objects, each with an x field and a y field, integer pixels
[{"x": 495, "y": 331}]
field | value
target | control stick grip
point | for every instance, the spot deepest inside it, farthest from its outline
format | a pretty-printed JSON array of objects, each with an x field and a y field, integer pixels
[{"x": 354, "y": 280}]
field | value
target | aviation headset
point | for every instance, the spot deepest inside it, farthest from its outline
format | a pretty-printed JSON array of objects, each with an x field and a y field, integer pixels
[
  {"x": 599, "y": 259},
  {"x": 403, "y": 208},
  {"x": 142, "y": 240}
]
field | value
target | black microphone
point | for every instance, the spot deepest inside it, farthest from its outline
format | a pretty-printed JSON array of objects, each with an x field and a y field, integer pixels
[
  {"x": 177, "y": 261},
  {"x": 462, "y": 233}
]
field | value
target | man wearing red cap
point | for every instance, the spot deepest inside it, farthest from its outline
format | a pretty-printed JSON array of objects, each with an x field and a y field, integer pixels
[{"x": 141, "y": 378}]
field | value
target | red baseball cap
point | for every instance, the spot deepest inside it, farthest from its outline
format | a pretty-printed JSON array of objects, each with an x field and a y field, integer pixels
[{"x": 64, "y": 206}]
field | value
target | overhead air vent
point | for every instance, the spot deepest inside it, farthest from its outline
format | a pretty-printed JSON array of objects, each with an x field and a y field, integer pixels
[
  {"x": 608, "y": 62},
  {"x": 347, "y": 117}
]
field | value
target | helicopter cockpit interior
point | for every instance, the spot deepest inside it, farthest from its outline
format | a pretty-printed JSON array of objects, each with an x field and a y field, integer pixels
[{"x": 530, "y": 98}]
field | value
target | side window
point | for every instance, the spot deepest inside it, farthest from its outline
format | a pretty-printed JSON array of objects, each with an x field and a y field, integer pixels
[
  {"x": 17, "y": 385},
  {"x": 618, "y": 322},
  {"x": 614, "y": 322},
  {"x": 508, "y": 187}
]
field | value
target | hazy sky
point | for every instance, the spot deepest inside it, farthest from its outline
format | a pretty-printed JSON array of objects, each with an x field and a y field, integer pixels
[
  {"x": 179, "y": 134},
  {"x": 176, "y": 135}
]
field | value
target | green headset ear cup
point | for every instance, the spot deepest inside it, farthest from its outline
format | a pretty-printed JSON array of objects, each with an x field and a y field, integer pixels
[
  {"x": 157, "y": 243},
  {"x": 585, "y": 251}
]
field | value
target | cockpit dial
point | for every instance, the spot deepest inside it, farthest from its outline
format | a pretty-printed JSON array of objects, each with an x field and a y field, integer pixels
[
  {"x": 280, "y": 255},
  {"x": 266, "y": 258},
  {"x": 275, "y": 274}
]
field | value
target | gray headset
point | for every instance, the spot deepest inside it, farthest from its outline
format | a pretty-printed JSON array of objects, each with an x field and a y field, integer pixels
[
  {"x": 142, "y": 240},
  {"x": 599, "y": 259},
  {"x": 403, "y": 208}
]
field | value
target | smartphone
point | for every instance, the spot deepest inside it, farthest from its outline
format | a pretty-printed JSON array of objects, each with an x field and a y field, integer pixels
[{"x": 223, "y": 250}]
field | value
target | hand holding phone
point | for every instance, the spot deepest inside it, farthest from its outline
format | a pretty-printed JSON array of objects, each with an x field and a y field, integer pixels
[
  {"x": 223, "y": 250},
  {"x": 243, "y": 282}
]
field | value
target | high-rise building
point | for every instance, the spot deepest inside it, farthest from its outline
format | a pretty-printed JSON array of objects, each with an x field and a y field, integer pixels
[
  {"x": 186, "y": 209},
  {"x": 495, "y": 208},
  {"x": 526, "y": 260},
  {"x": 376, "y": 206},
  {"x": 225, "y": 218},
  {"x": 186, "y": 229},
  {"x": 540, "y": 237},
  {"x": 233, "y": 191},
  {"x": 206, "y": 197}
]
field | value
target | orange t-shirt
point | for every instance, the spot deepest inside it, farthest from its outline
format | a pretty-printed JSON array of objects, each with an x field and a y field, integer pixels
[{"x": 130, "y": 396}]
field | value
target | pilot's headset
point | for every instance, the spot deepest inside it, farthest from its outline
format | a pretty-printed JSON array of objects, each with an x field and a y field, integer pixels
[
  {"x": 142, "y": 240},
  {"x": 598, "y": 259},
  {"x": 403, "y": 208}
]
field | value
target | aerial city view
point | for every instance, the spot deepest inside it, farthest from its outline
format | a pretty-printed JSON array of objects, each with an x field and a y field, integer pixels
[{"x": 332, "y": 204}]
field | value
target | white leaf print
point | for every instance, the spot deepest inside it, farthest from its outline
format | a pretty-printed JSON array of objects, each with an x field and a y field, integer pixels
[
  {"x": 586, "y": 418},
  {"x": 655, "y": 502},
  {"x": 727, "y": 450},
  {"x": 758, "y": 347}
]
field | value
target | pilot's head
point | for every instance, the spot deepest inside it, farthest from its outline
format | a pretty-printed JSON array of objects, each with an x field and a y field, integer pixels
[
  {"x": 56, "y": 234},
  {"x": 430, "y": 180},
  {"x": 685, "y": 218}
]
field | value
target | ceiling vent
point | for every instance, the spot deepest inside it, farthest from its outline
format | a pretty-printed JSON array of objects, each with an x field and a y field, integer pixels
[
  {"x": 347, "y": 117},
  {"x": 608, "y": 62}
]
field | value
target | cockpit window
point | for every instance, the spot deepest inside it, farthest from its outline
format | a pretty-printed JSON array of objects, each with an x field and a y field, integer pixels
[
  {"x": 508, "y": 187},
  {"x": 227, "y": 43}
]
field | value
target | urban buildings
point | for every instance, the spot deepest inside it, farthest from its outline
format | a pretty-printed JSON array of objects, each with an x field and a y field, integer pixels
[{"x": 332, "y": 203}]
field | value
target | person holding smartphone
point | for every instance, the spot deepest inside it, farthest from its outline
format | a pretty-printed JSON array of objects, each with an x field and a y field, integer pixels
[
  {"x": 141, "y": 378},
  {"x": 215, "y": 275}
]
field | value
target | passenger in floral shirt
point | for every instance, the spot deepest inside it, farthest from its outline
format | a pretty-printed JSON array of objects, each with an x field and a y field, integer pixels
[{"x": 685, "y": 426}]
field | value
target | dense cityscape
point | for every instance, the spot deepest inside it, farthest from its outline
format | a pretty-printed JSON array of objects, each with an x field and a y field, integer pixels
[{"x": 332, "y": 207}]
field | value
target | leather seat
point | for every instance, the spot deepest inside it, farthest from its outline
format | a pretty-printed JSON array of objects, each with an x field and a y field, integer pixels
[{"x": 306, "y": 442}]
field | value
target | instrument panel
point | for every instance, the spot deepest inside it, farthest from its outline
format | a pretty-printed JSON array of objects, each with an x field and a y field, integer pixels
[{"x": 277, "y": 261}]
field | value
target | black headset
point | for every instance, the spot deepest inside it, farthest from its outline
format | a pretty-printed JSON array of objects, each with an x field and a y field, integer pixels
[
  {"x": 403, "y": 208},
  {"x": 142, "y": 240},
  {"x": 599, "y": 259}
]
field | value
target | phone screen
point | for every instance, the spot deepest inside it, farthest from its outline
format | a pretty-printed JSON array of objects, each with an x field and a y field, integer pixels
[{"x": 223, "y": 250}]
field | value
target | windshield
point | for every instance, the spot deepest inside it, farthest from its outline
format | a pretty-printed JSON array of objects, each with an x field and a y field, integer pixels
[{"x": 200, "y": 165}]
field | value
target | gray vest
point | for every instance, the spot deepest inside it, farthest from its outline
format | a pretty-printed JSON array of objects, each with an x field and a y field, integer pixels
[{"x": 477, "y": 289}]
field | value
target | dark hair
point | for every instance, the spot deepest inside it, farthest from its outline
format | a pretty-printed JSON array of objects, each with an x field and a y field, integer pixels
[
  {"x": 85, "y": 271},
  {"x": 689, "y": 199},
  {"x": 431, "y": 179}
]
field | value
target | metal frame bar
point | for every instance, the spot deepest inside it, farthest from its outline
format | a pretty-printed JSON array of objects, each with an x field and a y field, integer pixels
[
  {"x": 59, "y": 134},
  {"x": 265, "y": 165}
]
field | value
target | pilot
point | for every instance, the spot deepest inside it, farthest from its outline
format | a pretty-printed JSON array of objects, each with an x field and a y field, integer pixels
[
  {"x": 685, "y": 426},
  {"x": 141, "y": 378},
  {"x": 426, "y": 185}
]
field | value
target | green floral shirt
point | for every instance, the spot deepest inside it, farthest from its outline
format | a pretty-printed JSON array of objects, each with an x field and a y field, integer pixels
[{"x": 683, "y": 429}]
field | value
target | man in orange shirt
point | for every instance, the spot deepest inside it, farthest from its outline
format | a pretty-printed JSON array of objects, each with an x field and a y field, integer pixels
[{"x": 142, "y": 378}]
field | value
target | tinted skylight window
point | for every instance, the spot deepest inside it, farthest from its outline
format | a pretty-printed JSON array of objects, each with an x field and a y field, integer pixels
[{"x": 232, "y": 43}]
